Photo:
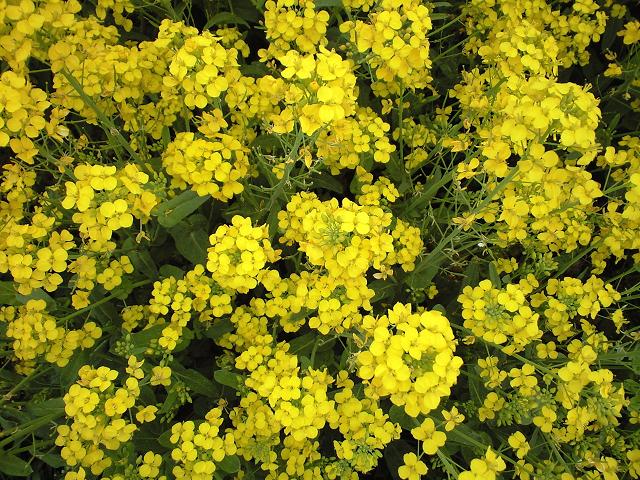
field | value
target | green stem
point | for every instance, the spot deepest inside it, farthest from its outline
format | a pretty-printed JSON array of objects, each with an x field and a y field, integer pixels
[
  {"x": 542, "y": 368},
  {"x": 452, "y": 472},
  {"x": 448, "y": 24},
  {"x": 483, "y": 446},
  {"x": 32, "y": 426},
  {"x": 21, "y": 383},
  {"x": 102, "y": 301}
]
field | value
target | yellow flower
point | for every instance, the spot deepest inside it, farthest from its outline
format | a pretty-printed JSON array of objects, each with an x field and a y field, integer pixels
[
  {"x": 453, "y": 418},
  {"x": 518, "y": 442},
  {"x": 161, "y": 376},
  {"x": 413, "y": 468},
  {"x": 431, "y": 438}
]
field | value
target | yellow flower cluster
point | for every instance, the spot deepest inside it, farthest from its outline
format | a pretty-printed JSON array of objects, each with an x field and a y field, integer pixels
[
  {"x": 315, "y": 299},
  {"x": 321, "y": 90},
  {"x": 120, "y": 78},
  {"x": 23, "y": 23},
  {"x": 418, "y": 137},
  {"x": 431, "y": 439},
  {"x": 501, "y": 315},
  {"x": 412, "y": 469},
  {"x": 380, "y": 192},
  {"x": 198, "y": 447},
  {"x": 395, "y": 44},
  {"x": 547, "y": 207},
  {"x": 118, "y": 8},
  {"x": 16, "y": 188},
  {"x": 293, "y": 25},
  {"x": 106, "y": 199},
  {"x": 209, "y": 166},
  {"x": 22, "y": 109},
  {"x": 90, "y": 54},
  {"x": 517, "y": 111},
  {"x": 239, "y": 254},
  {"x": 630, "y": 33},
  {"x": 196, "y": 293},
  {"x": 32, "y": 253},
  {"x": 533, "y": 38},
  {"x": 149, "y": 466},
  {"x": 202, "y": 69},
  {"x": 569, "y": 298},
  {"x": 35, "y": 333},
  {"x": 348, "y": 239},
  {"x": 299, "y": 402},
  {"x": 365, "y": 427},
  {"x": 411, "y": 358},
  {"x": 325, "y": 366},
  {"x": 282, "y": 398},
  {"x": 352, "y": 140},
  {"x": 620, "y": 221},
  {"x": 490, "y": 372},
  {"x": 99, "y": 411},
  {"x": 89, "y": 271}
]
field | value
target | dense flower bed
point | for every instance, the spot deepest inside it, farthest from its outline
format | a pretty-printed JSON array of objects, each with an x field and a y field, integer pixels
[{"x": 326, "y": 239}]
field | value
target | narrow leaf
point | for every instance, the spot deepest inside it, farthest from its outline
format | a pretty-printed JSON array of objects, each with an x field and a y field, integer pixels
[
  {"x": 171, "y": 212},
  {"x": 14, "y": 466}
]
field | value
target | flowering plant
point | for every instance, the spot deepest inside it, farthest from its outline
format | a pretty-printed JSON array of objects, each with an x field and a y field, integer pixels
[{"x": 319, "y": 239}]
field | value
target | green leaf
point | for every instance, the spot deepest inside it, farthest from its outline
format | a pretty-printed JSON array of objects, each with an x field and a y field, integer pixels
[
  {"x": 113, "y": 134},
  {"x": 219, "y": 328},
  {"x": 303, "y": 344},
  {"x": 123, "y": 290},
  {"x": 471, "y": 274},
  {"x": 140, "y": 259},
  {"x": 141, "y": 340},
  {"x": 14, "y": 466},
  {"x": 435, "y": 181},
  {"x": 398, "y": 173},
  {"x": 53, "y": 460},
  {"x": 171, "y": 212},
  {"x": 258, "y": 69},
  {"x": 248, "y": 9},
  {"x": 166, "y": 137},
  {"x": 328, "y": 3},
  {"x": 69, "y": 373},
  {"x": 195, "y": 381},
  {"x": 8, "y": 294},
  {"x": 37, "y": 294},
  {"x": 106, "y": 313},
  {"x": 382, "y": 288},
  {"x": 267, "y": 141},
  {"x": 493, "y": 276},
  {"x": 10, "y": 376},
  {"x": 474, "y": 438},
  {"x": 398, "y": 415},
  {"x": 228, "y": 378},
  {"x": 327, "y": 182},
  {"x": 146, "y": 438},
  {"x": 224, "y": 18},
  {"x": 164, "y": 439},
  {"x": 167, "y": 271},
  {"x": 426, "y": 269},
  {"x": 191, "y": 238},
  {"x": 393, "y": 456},
  {"x": 46, "y": 407},
  {"x": 229, "y": 464},
  {"x": 169, "y": 402}
]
